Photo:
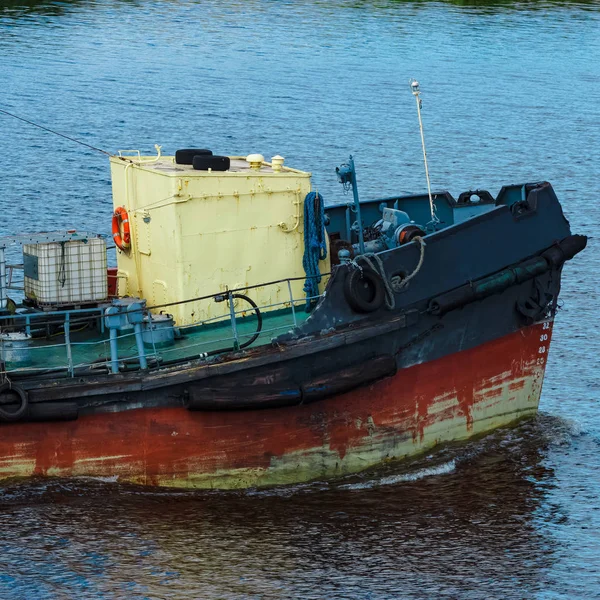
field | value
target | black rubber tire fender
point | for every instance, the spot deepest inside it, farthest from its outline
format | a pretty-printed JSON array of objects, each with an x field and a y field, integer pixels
[
  {"x": 186, "y": 156},
  {"x": 9, "y": 416},
  {"x": 216, "y": 163},
  {"x": 356, "y": 283}
]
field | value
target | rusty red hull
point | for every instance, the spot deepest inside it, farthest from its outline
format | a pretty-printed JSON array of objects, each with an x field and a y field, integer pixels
[{"x": 444, "y": 400}]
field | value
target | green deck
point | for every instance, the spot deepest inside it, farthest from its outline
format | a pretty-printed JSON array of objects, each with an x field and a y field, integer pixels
[{"x": 91, "y": 347}]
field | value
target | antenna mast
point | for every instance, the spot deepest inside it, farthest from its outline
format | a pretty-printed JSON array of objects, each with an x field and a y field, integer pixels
[{"x": 414, "y": 86}]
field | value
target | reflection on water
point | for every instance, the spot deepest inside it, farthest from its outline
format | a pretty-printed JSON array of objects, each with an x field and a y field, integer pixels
[
  {"x": 511, "y": 93},
  {"x": 480, "y": 529}
]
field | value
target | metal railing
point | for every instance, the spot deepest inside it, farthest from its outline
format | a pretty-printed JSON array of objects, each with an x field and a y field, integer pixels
[{"x": 117, "y": 352}]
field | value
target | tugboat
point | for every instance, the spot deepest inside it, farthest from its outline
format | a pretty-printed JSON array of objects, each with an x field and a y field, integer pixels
[{"x": 253, "y": 336}]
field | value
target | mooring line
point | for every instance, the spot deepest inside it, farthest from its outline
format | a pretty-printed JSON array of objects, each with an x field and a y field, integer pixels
[{"x": 62, "y": 135}]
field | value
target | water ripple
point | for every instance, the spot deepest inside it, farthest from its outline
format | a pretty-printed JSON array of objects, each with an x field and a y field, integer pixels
[{"x": 511, "y": 92}]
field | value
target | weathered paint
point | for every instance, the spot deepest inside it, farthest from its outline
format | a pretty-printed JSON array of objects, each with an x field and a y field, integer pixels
[
  {"x": 182, "y": 218},
  {"x": 449, "y": 399}
]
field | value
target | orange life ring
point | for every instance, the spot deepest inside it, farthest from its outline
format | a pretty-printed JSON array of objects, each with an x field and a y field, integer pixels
[{"x": 121, "y": 220}]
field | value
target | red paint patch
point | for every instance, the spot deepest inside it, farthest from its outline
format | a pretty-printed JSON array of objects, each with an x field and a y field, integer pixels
[{"x": 158, "y": 444}]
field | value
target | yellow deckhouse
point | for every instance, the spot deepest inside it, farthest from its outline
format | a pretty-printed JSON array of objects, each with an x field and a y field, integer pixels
[{"x": 200, "y": 231}]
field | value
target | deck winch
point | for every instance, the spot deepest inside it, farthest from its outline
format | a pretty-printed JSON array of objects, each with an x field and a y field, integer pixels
[{"x": 394, "y": 229}]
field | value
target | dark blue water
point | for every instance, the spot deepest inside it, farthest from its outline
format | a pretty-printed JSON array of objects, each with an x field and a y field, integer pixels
[{"x": 511, "y": 93}]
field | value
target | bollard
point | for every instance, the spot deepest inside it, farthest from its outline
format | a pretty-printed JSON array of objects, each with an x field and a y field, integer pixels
[
  {"x": 112, "y": 319},
  {"x": 135, "y": 316}
]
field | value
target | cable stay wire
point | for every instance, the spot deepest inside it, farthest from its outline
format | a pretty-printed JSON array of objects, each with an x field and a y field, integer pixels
[{"x": 62, "y": 135}]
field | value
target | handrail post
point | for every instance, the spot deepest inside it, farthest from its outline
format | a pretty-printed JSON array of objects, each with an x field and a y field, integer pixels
[
  {"x": 236, "y": 339},
  {"x": 67, "y": 329},
  {"x": 292, "y": 303}
]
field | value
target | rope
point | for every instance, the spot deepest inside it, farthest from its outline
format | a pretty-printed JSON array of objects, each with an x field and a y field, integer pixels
[
  {"x": 62, "y": 135},
  {"x": 396, "y": 283},
  {"x": 315, "y": 245},
  {"x": 414, "y": 86}
]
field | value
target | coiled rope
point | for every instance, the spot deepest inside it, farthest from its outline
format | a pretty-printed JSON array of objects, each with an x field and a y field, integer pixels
[
  {"x": 396, "y": 283},
  {"x": 315, "y": 245}
]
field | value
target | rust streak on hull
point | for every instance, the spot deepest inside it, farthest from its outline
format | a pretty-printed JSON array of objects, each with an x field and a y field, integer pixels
[{"x": 449, "y": 399}]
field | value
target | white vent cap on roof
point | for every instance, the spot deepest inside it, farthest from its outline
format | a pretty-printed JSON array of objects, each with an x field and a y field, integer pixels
[
  {"x": 255, "y": 160},
  {"x": 277, "y": 163}
]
